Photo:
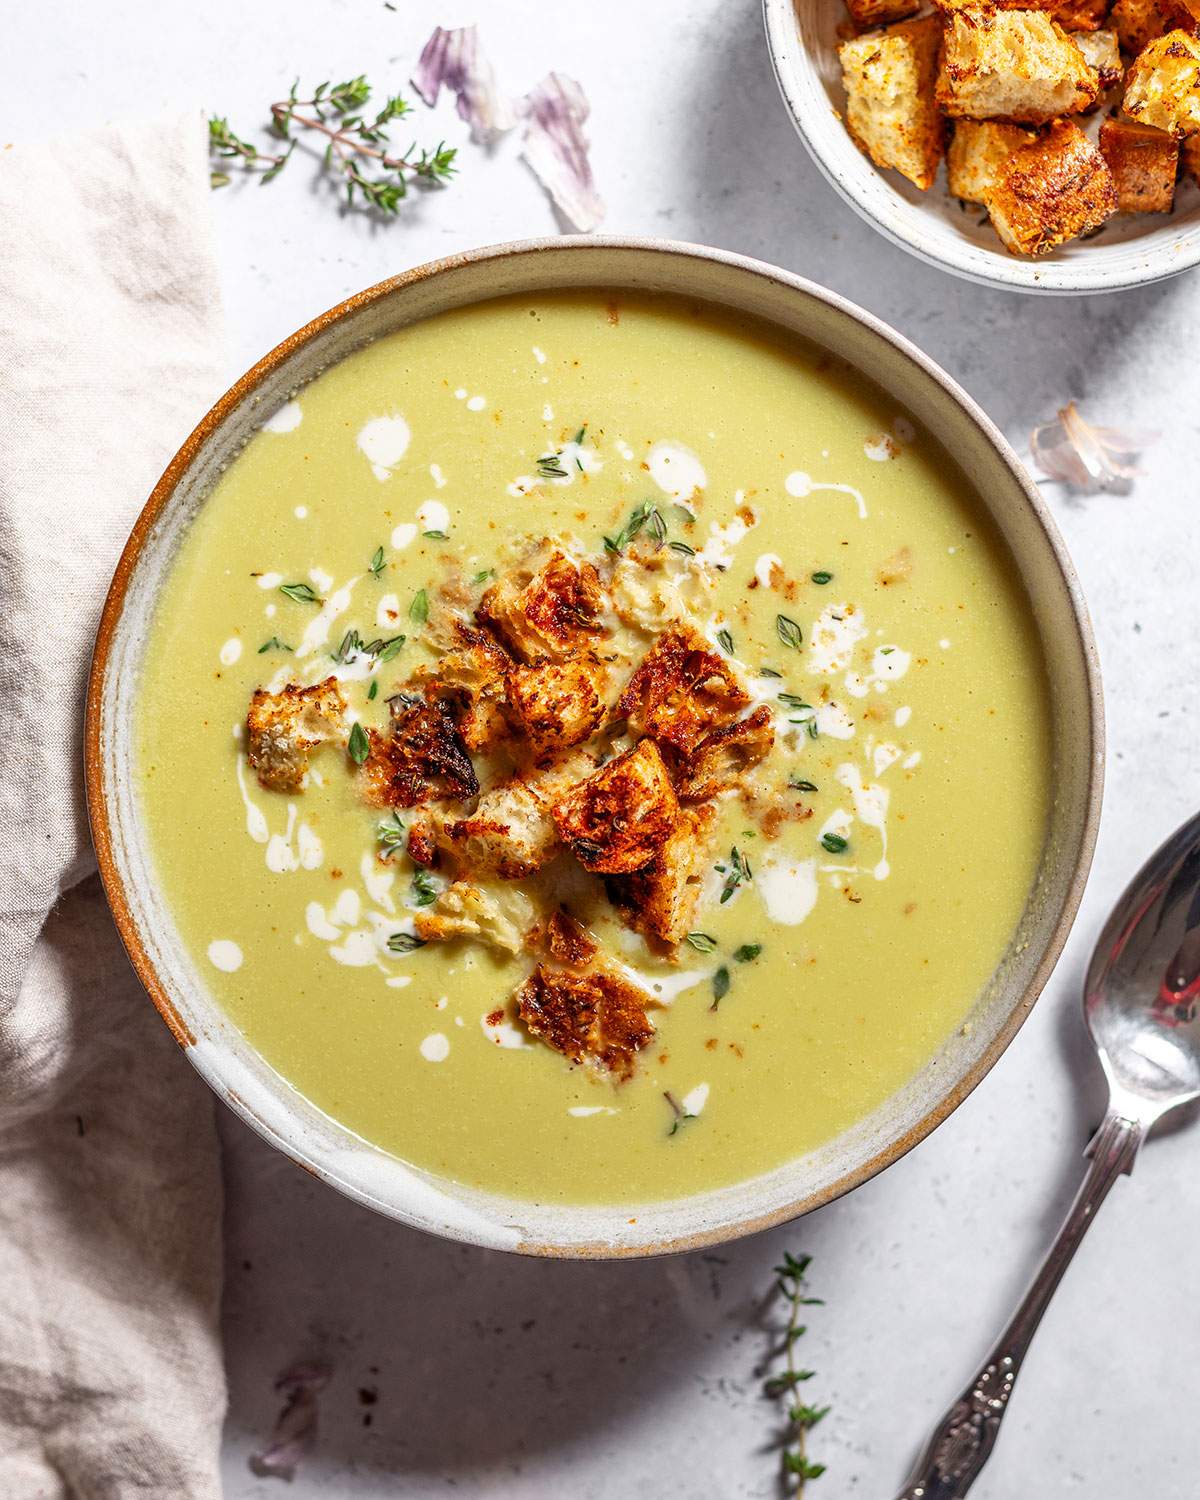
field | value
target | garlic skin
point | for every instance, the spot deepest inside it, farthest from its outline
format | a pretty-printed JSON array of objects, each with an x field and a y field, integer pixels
[{"x": 1071, "y": 451}]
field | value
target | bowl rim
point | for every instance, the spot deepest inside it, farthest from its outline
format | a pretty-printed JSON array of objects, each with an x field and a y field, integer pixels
[
  {"x": 160, "y": 498},
  {"x": 971, "y": 262}
]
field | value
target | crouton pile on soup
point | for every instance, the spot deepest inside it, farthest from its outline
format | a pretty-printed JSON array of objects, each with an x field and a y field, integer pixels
[
  {"x": 1052, "y": 117},
  {"x": 593, "y": 748}
]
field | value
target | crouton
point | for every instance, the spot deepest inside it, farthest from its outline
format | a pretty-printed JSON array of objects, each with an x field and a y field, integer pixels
[
  {"x": 1190, "y": 155},
  {"x": 1076, "y": 16},
  {"x": 548, "y": 605},
  {"x": 1071, "y": 15},
  {"x": 866, "y": 13},
  {"x": 558, "y": 704},
  {"x": 723, "y": 757},
  {"x": 598, "y": 1017},
  {"x": 422, "y": 758},
  {"x": 1050, "y": 191},
  {"x": 1140, "y": 22},
  {"x": 680, "y": 690},
  {"x": 651, "y": 590},
  {"x": 471, "y": 679},
  {"x": 618, "y": 818},
  {"x": 660, "y": 899},
  {"x": 890, "y": 110},
  {"x": 463, "y": 910},
  {"x": 511, "y": 833},
  {"x": 1144, "y": 163},
  {"x": 566, "y": 940},
  {"x": 1162, "y": 87},
  {"x": 977, "y": 150},
  {"x": 1012, "y": 65},
  {"x": 283, "y": 729},
  {"x": 1102, "y": 52}
]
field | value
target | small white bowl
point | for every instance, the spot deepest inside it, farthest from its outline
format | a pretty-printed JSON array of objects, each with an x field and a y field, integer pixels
[{"x": 1132, "y": 250}]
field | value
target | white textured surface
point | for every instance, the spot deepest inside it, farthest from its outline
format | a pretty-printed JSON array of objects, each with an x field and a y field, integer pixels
[{"x": 516, "y": 1379}]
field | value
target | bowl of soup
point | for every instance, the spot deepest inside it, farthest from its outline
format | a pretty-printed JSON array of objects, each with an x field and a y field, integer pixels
[{"x": 594, "y": 746}]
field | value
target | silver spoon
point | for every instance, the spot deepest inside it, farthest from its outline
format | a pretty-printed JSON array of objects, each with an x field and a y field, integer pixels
[{"x": 1140, "y": 1003}]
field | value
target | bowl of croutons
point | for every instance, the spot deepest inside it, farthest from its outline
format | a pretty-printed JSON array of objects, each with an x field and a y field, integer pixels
[{"x": 1048, "y": 146}]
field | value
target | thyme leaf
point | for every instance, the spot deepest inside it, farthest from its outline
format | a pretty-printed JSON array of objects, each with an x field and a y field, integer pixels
[
  {"x": 390, "y": 836},
  {"x": 725, "y": 641},
  {"x": 418, "y": 610},
  {"x": 800, "y": 784},
  {"x": 302, "y": 593},
  {"x": 274, "y": 644},
  {"x": 747, "y": 953},
  {"x": 737, "y": 871},
  {"x": 821, "y": 576},
  {"x": 834, "y": 843},
  {"x": 702, "y": 942},
  {"x": 720, "y": 986},
  {"x": 404, "y": 942},
  {"x": 789, "y": 632},
  {"x": 376, "y": 563},
  {"x": 360, "y": 745},
  {"x": 424, "y": 892}
]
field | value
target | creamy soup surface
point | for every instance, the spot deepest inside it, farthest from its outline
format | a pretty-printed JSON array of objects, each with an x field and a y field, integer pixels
[{"x": 857, "y": 865}]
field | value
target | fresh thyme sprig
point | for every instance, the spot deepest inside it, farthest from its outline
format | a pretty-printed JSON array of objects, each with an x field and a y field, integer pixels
[
  {"x": 353, "y": 139},
  {"x": 792, "y": 1287},
  {"x": 680, "y": 1114},
  {"x": 735, "y": 873}
]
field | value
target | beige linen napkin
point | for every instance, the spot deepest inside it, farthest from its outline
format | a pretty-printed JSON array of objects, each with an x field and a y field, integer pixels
[{"x": 110, "y": 1201}]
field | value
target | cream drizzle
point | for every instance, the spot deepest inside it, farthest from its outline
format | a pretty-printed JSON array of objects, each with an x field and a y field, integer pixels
[
  {"x": 286, "y": 419},
  {"x": 316, "y": 632},
  {"x": 676, "y": 470},
  {"x": 801, "y": 485},
  {"x": 787, "y": 888},
  {"x": 225, "y": 955},
  {"x": 383, "y": 442}
]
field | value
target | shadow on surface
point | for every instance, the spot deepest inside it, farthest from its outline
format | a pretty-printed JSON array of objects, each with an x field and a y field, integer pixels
[{"x": 449, "y": 1359}]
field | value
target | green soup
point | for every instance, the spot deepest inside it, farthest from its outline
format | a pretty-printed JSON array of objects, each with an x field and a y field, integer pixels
[{"x": 839, "y": 548}]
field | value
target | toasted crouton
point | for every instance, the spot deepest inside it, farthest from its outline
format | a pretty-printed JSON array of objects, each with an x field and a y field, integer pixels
[
  {"x": 566, "y": 939},
  {"x": 1190, "y": 156},
  {"x": 421, "y": 759},
  {"x": 890, "y": 110},
  {"x": 471, "y": 680},
  {"x": 978, "y": 149},
  {"x": 660, "y": 899},
  {"x": 283, "y": 729},
  {"x": 1140, "y": 22},
  {"x": 1162, "y": 87},
  {"x": 618, "y": 818},
  {"x": 1077, "y": 16},
  {"x": 1050, "y": 191},
  {"x": 866, "y": 13},
  {"x": 558, "y": 704},
  {"x": 1012, "y": 65},
  {"x": 680, "y": 690},
  {"x": 723, "y": 757},
  {"x": 547, "y": 605},
  {"x": 1102, "y": 52},
  {"x": 463, "y": 910},
  {"x": 597, "y": 1017},
  {"x": 511, "y": 832},
  {"x": 1144, "y": 163}
]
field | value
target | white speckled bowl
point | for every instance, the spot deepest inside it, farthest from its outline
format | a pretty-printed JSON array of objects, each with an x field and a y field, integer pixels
[
  {"x": 179, "y": 989},
  {"x": 1131, "y": 250}
]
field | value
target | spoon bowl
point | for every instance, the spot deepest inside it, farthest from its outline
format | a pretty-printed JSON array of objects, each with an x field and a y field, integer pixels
[{"x": 1142, "y": 993}]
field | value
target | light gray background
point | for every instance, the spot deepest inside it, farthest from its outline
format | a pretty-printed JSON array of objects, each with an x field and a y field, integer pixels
[{"x": 509, "y": 1378}]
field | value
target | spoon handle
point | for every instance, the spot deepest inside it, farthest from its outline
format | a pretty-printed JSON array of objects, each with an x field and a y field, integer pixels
[{"x": 964, "y": 1439}]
